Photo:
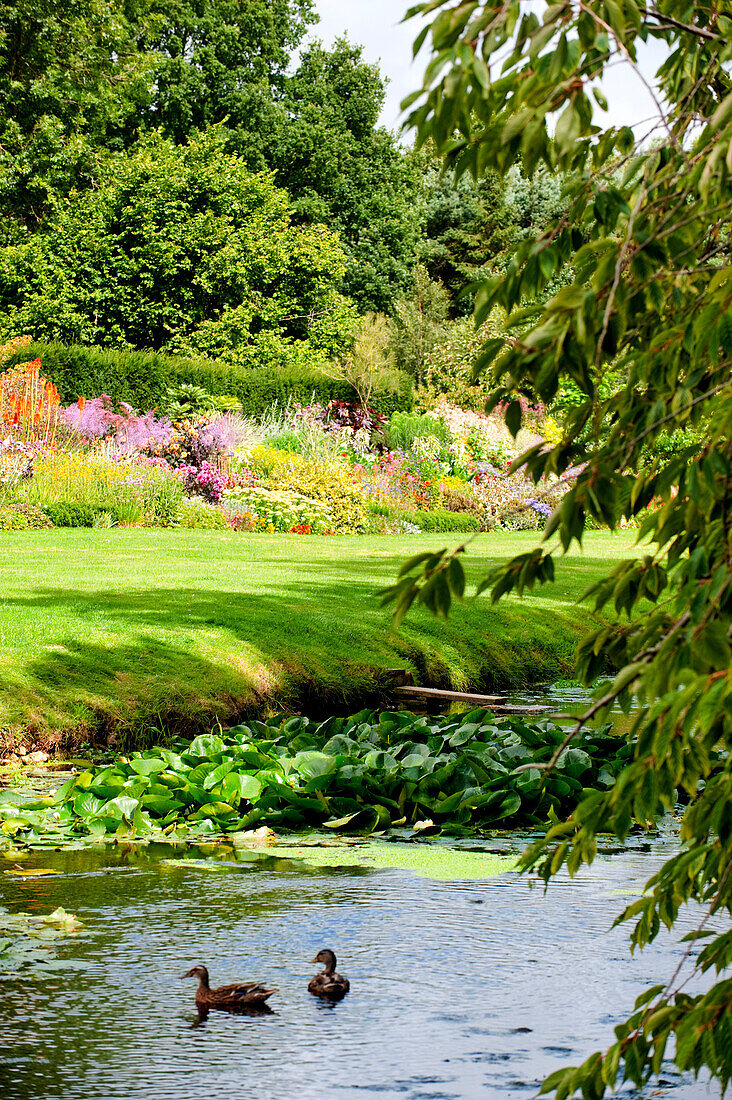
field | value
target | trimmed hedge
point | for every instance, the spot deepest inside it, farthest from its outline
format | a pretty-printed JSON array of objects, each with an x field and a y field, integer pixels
[
  {"x": 441, "y": 520},
  {"x": 141, "y": 378}
]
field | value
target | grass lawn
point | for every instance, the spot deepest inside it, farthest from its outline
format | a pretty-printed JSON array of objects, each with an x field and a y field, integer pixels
[{"x": 120, "y": 629}]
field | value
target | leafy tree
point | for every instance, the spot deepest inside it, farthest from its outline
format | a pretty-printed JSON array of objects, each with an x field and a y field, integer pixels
[
  {"x": 646, "y": 240},
  {"x": 71, "y": 79},
  {"x": 223, "y": 62},
  {"x": 465, "y": 226},
  {"x": 343, "y": 169},
  {"x": 181, "y": 249}
]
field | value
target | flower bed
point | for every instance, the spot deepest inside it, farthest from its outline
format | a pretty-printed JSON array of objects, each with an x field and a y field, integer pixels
[{"x": 312, "y": 469}]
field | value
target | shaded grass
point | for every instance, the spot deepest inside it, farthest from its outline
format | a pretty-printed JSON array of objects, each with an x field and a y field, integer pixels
[{"x": 103, "y": 630}]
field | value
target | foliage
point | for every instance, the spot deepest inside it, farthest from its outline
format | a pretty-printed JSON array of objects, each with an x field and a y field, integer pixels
[
  {"x": 72, "y": 80},
  {"x": 404, "y": 429},
  {"x": 643, "y": 247},
  {"x": 441, "y": 519},
  {"x": 419, "y": 320},
  {"x": 143, "y": 378},
  {"x": 464, "y": 229},
  {"x": 329, "y": 482},
  {"x": 181, "y": 248},
  {"x": 17, "y": 516},
  {"x": 198, "y": 514},
  {"x": 343, "y": 170},
  {"x": 449, "y": 366},
  {"x": 352, "y": 774},
  {"x": 277, "y": 510},
  {"x": 218, "y": 62},
  {"x": 368, "y": 360}
]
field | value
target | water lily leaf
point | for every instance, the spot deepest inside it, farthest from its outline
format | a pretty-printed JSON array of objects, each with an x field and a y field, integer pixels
[
  {"x": 148, "y": 765},
  {"x": 119, "y": 809},
  {"x": 207, "y": 745},
  {"x": 238, "y": 785},
  {"x": 311, "y": 763},
  {"x": 217, "y": 774}
]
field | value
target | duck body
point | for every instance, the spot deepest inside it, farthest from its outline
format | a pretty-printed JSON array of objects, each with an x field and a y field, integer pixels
[
  {"x": 329, "y": 985},
  {"x": 238, "y": 995}
]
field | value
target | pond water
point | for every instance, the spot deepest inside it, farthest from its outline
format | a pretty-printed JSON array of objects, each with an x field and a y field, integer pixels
[{"x": 458, "y": 989}]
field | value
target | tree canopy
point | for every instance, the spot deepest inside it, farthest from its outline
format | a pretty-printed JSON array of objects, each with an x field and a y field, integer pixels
[
  {"x": 81, "y": 81},
  {"x": 643, "y": 330},
  {"x": 182, "y": 249}
]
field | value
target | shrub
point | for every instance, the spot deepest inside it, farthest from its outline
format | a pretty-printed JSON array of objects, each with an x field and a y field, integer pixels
[
  {"x": 202, "y": 515},
  {"x": 456, "y": 500},
  {"x": 18, "y": 516},
  {"x": 277, "y": 510},
  {"x": 404, "y": 429},
  {"x": 144, "y": 379},
  {"x": 329, "y": 482},
  {"x": 69, "y": 513},
  {"x": 441, "y": 520}
]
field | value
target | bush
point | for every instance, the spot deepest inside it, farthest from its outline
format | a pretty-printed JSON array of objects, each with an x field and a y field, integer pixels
[
  {"x": 456, "y": 500},
  {"x": 329, "y": 482},
  {"x": 201, "y": 515},
  {"x": 19, "y": 516},
  {"x": 143, "y": 378},
  {"x": 277, "y": 510},
  {"x": 68, "y": 513},
  {"x": 441, "y": 520},
  {"x": 403, "y": 429}
]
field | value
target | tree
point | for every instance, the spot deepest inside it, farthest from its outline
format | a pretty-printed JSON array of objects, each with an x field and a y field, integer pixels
[
  {"x": 464, "y": 227},
  {"x": 646, "y": 239},
  {"x": 181, "y": 249},
  {"x": 344, "y": 170},
  {"x": 71, "y": 79},
  {"x": 221, "y": 62},
  {"x": 419, "y": 321}
]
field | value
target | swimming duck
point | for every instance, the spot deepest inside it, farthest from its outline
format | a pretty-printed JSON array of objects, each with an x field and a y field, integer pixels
[
  {"x": 237, "y": 995},
  {"x": 328, "y": 984}
]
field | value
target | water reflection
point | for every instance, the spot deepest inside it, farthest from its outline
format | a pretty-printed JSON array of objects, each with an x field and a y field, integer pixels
[{"x": 458, "y": 990}]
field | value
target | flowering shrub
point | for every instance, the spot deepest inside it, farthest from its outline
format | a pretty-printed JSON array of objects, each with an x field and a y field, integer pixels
[
  {"x": 205, "y": 481},
  {"x": 340, "y": 414},
  {"x": 282, "y": 510},
  {"x": 128, "y": 430},
  {"x": 328, "y": 482}
]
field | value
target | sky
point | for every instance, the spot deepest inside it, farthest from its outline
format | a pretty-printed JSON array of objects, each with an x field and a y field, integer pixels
[{"x": 376, "y": 25}]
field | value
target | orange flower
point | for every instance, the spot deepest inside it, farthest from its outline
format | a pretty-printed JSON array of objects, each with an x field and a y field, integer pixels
[{"x": 81, "y": 403}]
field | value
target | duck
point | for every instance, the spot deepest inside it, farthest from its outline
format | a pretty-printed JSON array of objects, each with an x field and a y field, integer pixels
[
  {"x": 239, "y": 995},
  {"x": 328, "y": 984}
]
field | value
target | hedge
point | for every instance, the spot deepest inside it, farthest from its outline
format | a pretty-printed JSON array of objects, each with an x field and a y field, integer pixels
[
  {"x": 440, "y": 520},
  {"x": 141, "y": 378}
]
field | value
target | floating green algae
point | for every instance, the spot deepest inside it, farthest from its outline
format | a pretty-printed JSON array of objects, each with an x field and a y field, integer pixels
[{"x": 436, "y": 861}]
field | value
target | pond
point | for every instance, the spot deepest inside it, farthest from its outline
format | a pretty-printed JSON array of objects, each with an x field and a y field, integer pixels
[{"x": 469, "y": 988}]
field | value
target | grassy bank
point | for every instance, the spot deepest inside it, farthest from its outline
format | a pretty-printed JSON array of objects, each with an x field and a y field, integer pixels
[{"x": 117, "y": 629}]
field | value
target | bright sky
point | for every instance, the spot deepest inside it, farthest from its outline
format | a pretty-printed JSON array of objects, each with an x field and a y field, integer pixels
[{"x": 376, "y": 24}]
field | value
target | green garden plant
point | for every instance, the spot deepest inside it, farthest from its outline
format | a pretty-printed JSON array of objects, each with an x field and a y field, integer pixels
[{"x": 357, "y": 774}]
